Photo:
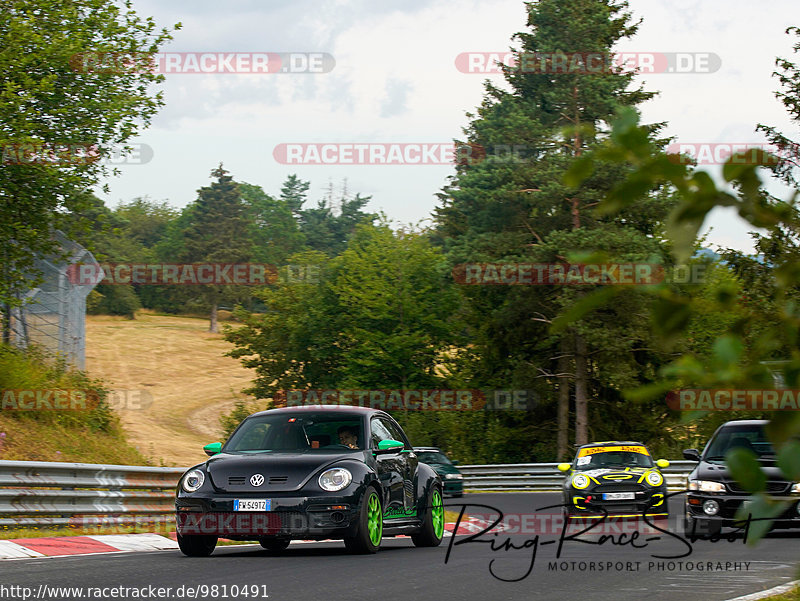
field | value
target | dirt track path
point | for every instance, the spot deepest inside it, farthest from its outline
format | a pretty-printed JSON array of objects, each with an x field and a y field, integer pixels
[{"x": 182, "y": 367}]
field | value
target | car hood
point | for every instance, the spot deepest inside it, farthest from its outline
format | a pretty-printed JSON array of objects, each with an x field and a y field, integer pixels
[
  {"x": 281, "y": 471},
  {"x": 610, "y": 475},
  {"x": 707, "y": 470}
]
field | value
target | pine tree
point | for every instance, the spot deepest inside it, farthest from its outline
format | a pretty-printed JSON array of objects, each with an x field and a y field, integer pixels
[
  {"x": 219, "y": 232},
  {"x": 517, "y": 208}
]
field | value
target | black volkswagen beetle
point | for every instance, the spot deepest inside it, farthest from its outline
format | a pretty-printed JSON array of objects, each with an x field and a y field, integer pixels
[
  {"x": 614, "y": 478},
  {"x": 311, "y": 473}
]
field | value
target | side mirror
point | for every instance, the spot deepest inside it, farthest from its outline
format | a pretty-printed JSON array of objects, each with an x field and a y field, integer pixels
[
  {"x": 213, "y": 448},
  {"x": 662, "y": 463},
  {"x": 564, "y": 467},
  {"x": 691, "y": 454},
  {"x": 387, "y": 447},
  {"x": 455, "y": 462}
]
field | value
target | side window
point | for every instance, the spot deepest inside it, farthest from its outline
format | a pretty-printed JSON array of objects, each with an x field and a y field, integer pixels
[
  {"x": 379, "y": 432},
  {"x": 395, "y": 433}
]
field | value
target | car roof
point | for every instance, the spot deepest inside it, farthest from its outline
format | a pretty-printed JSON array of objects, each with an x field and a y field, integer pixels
[
  {"x": 612, "y": 442},
  {"x": 343, "y": 409},
  {"x": 745, "y": 422}
]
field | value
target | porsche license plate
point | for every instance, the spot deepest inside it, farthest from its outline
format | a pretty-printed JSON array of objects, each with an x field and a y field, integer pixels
[
  {"x": 252, "y": 504},
  {"x": 618, "y": 496}
]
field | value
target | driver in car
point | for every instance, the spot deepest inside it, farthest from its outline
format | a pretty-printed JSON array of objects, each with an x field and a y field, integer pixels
[{"x": 348, "y": 437}]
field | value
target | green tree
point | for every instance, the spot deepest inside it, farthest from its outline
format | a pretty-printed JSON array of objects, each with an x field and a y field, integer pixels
[
  {"x": 61, "y": 115},
  {"x": 381, "y": 317},
  {"x": 294, "y": 193},
  {"x": 274, "y": 230},
  {"x": 218, "y": 233},
  {"x": 327, "y": 230},
  {"x": 517, "y": 208}
]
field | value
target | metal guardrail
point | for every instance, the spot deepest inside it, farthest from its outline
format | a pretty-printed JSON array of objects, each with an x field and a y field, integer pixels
[
  {"x": 546, "y": 477},
  {"x": 46, "y": 494},
  {"x": 35, "y": 493}
]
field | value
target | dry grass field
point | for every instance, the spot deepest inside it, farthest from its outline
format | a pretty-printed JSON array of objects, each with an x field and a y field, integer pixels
[{"x": 183, "y": 368}]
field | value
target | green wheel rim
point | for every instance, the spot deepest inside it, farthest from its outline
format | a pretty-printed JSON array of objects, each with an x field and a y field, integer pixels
[
  {"x": 437, "y": 514},
  {"x": 374, "y": 519}
]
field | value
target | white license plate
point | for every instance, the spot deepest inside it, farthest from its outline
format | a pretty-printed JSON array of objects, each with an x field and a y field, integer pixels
[
  {"x": 252, "y": 504},
  {"x": 618, "y": 496}
]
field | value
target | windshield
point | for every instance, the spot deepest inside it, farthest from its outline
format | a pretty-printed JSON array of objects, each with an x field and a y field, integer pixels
[
  {"x": 592, "y": 458},
  {"x": 433, "y": 457},
  {"x": 750, "y": 437},
  {"x": 301, "y": 432}
]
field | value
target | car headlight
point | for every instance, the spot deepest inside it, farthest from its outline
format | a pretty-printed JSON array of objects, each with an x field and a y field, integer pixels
[
  {"x": 335, "y": 479},
  {"x": 193, "y": 480},
  {"x": 454, "y": 476},
  {"x": 706, "y": 486},
  {"x": 796, "y": 487},
  {"x": 654, "y": 479},
  {"x": 580, "y": 481}
]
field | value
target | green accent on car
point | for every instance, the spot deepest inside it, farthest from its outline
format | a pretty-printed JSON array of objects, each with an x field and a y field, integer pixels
[
  {"x": 374, "y": 521},
  {"x": 213, "y": 448},
  {"x": 437, "y": 513},
  {"x": 395, "y": 512},
  {"x": 387, "y": 445}
]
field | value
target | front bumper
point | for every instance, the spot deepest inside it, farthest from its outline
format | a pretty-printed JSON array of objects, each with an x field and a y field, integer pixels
[
  {"x": 591, "y": 505},
  {"x": 292, "y": 517},
  {"x": 453, "y": 486},
  {"x": 729, "y": 504}
]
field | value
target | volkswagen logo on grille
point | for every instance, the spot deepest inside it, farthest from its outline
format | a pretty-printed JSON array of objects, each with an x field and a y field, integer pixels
[{"x": 256, "y": 479}]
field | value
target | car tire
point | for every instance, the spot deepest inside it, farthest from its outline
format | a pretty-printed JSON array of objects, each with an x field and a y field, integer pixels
[
  {"x": 369, "y": 528},
  {"x": 700, "y": 528},
  {"x": 197, "y": 545},
  {"x": 274, "y": 544},
  {"x": 432, "y": 531}
]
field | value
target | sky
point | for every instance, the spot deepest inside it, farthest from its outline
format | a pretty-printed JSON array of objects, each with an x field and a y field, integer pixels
[{"x": 389, "y": 76}]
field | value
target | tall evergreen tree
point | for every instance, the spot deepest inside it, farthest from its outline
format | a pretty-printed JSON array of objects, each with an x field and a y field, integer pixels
[
  {"x": 294, "y": 193},
  {"x": 557, "y": 106},
  {"x": 219, "y": 232}
]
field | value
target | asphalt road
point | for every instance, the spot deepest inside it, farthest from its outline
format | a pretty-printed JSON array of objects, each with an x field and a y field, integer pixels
[{"x": 326, "y": 572}]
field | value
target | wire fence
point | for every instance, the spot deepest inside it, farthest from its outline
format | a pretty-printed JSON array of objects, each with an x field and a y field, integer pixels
[{"x": 52, "y": 315}]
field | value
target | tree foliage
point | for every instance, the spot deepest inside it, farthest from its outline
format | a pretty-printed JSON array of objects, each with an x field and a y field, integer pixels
[{"x": 59, "y": 119}]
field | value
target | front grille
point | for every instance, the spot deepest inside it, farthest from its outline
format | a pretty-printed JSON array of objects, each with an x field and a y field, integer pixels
[
  {"x": 618, "y": 488},
  {"x": 775, "y": 488},
  {"x": 242, "y": 480}
]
